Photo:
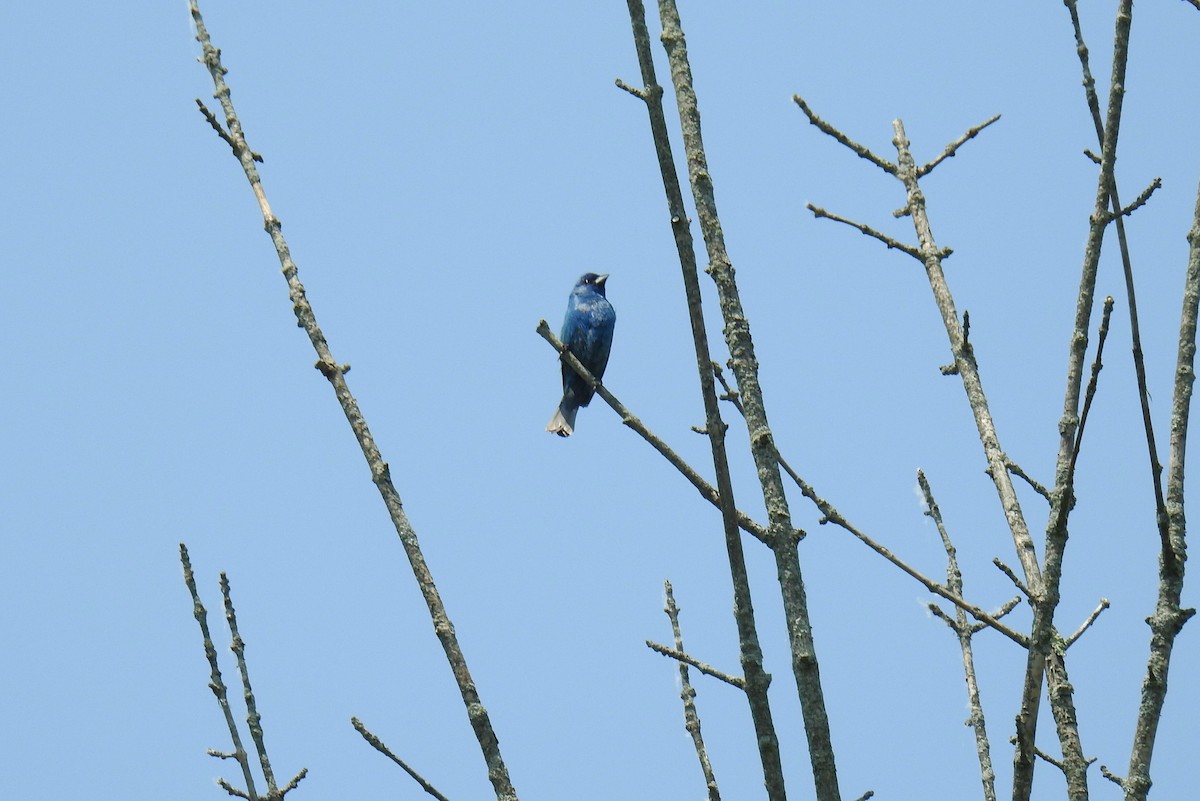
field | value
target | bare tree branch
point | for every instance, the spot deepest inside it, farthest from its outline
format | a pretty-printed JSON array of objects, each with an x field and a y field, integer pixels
[
  {"x": 379, "y": 746},
  {"x": 476, "y": 713},
  {"x": 703, "y": 667},
  {"x": 1045, "y": 654},
  {"x": 216, "y": 682},
  {"x": 216, "y": 126},
  {"x": 1087, "y": 624},
  {"x": 757, "y": 679},
  {"x": 253, "y": 718},
  {"x": 688, "y": 695},
  {"x": 952, "y": 148},
  {"x": 832, "y": 515},
  {"x": 1139, "y": 364},
  {"x": 1142, "y": 199},
  {"x": 1012, "y": 576},
  {"x": 964, "y": 360},
  {"x": 826, "y": 128},
  {"x": 819, "y": 212},
  {"x": 805, "y": 664},
  {"x": 964, "y": 630},
  {"x": 1016, "y": 470},
  {"x": 1169, "y": 616},
  {"x": 707, "y": 491}
]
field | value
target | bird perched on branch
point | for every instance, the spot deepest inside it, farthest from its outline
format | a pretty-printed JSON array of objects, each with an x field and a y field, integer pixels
[{"x": 587, "y": 331}]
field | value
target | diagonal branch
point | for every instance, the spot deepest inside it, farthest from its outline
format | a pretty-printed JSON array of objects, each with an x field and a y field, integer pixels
[
  {"x": 805, "y": 664},
  {"x": 1139, "y": 365},
  {"x": 220, "y": 130},
  {"x": 965, "y": 364},
  {"x": 1142, "y": 199},
  {"x": 378, "y": 745},
  {"x": 382, "y": 748},
  {"x": 832, "y": 515},
  {"x": 1169, "y": 616},
  {"x": 703, "y": 667},
  {"x": 1087, "y": 624},
  {"x": 952, "y": 148},
  {"x": 707, "y": 491},
  {"x": 749, "y": 648},
  {"x": 476, "y": 713},
  {"x": 862, "y": 150},
  {"x": 1045, "y": 654},
  {"x": 896, "y": 244}
]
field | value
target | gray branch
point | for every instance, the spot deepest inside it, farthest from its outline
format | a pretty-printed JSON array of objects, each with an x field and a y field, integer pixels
[
  {"x": 965, "y": 631},
  {"x": 757, "y": 679},
  {"x": 805, "y": 665},
  {"x": 706, "y": 490},
  {"x": 690, "y": 716},
  {"x": 382, "y": 748},
  {"x": 380, "y": 474},
  {"x": 952, "y": 148},
  {"x": 1169, "y": 616},
  {"x": 827, "y": 129},
  {"x": 216, "y": 682}
]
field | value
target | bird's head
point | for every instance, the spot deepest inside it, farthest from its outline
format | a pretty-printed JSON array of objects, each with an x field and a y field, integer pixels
[{"x": 590, "y": 282}]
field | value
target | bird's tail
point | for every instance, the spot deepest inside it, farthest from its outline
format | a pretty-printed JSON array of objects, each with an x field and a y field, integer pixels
[{"x": 563, "y": 421}]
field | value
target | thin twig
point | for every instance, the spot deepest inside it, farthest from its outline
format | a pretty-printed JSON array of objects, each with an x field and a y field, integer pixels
[
  {"x": 826, "y": 128},
  {"x": 819, "y": 212},
  {"x": 216, "y": 682},
  {"x": 379, "y": 746},
  {"x": 833, "y": 516},
  {"x": 1040, "y": 754},
  {"x": 1112, "y": 777},
  {"x": 294, "y": 783},
  {"x": 952, "y": 148},
  {"x": 216, "y": 126},
  {"x": 1087, "y": 624},
  {"x": 703, "y": 667},
  {"x": 1142, "y": 199},
  {"x": 1090, "y": 394},
  {"x": 253, "y": 718},
  {"x": 964, "y": 630},
  {"x": 640, "y": 94},
  {"x": 690, "y": 716},
  {"x": 234, "y": 791},
  {"x": 1012, "y": 576},
  {"x": 1037, "y": 486}
]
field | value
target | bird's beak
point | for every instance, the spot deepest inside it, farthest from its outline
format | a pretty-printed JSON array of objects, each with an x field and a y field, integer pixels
[{"x": 601, "y": 279}]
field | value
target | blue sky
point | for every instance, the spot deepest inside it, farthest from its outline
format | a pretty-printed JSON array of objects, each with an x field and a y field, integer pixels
[{"x": 444, "y": 173}]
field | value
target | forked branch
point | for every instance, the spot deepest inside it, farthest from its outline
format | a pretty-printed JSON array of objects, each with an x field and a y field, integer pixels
[{"x": 329, "y": 367}]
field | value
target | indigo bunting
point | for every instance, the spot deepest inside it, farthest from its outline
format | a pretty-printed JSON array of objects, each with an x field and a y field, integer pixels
[{"x": 587, "y": 331}]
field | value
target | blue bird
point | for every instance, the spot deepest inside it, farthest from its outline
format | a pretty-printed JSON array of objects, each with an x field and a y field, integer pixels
[{"x": 587, "y": 330}]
